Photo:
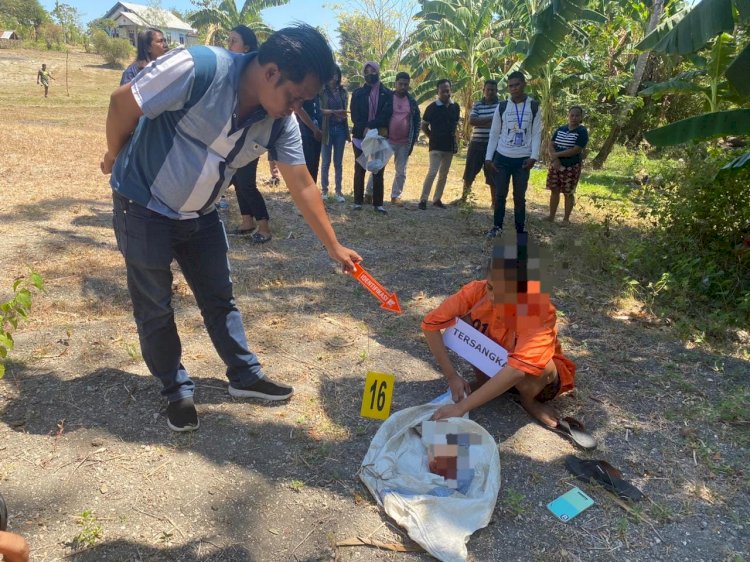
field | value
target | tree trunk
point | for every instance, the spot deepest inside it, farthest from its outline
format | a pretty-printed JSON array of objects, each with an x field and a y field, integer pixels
[{"x": 631, "y": 90}]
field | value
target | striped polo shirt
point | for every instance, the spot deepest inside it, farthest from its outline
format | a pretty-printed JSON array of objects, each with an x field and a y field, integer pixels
[
  {"x": 564, "y": 138},
  {"x": 187, "y": 145},
  {"x": 482, "y": 110}
]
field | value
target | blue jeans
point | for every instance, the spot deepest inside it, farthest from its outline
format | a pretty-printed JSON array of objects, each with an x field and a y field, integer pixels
[
  {"x": 508, "y": 168},
  {"x": 149, "y": 242},
  {"x": 336, "y": 144}
]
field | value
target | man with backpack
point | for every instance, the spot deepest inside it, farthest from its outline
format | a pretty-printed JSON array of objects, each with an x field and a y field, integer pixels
[{"x": 512, "y": 150}]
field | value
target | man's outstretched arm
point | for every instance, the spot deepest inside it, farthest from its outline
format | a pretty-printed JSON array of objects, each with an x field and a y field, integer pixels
[{"x": 307, "y": 198}]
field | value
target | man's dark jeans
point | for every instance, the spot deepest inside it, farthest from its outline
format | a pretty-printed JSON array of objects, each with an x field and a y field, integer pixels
[
  {"x": 149, "y": 242},
  {"x": 508, "y": 168}
]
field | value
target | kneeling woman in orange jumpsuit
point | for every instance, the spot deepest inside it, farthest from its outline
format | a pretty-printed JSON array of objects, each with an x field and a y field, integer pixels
[{"x": 509, "y": 308}]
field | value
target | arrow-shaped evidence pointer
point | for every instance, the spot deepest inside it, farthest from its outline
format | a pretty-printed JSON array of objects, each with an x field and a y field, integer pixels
[{"x": 389, "y": 301}]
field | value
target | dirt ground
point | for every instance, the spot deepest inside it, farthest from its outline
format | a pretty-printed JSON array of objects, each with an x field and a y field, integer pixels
[{"x": 91, "y": 472}]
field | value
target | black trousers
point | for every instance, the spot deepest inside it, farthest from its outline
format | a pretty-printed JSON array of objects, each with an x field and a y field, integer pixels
[
  {"x": 359, "y": 183},
  {"x": 250, "y": 200},
  {"x": 311, "y": 149}
]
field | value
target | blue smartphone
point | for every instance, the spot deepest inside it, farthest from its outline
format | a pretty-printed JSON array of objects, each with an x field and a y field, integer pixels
[{"x": 570, "y": 504}]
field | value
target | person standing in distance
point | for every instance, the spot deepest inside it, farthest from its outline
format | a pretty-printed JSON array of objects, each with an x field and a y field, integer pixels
[
  {"x": 480, "y": 119},
  {"x": 439, "y": 125},
  {"x": 176, "y": 135},
  {"x": 512, "y": 150}
]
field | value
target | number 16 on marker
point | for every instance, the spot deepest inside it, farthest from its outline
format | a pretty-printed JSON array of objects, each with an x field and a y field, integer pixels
[{"x": 376, "y": 400}]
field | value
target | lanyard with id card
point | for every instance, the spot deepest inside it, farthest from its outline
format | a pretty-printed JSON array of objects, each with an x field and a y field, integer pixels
[{"x": 518, "y": 136}]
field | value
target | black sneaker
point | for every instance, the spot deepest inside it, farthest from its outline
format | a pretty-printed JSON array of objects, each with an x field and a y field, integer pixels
[
  {"x": 181, "y": 415},
  {"x": 422, "y": 205},
  {"x": 264, "y": 389},
  {"x": 439, "y": 204}
]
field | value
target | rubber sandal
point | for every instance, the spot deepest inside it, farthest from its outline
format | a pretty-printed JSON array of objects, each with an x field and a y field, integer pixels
[
  {"x": 260, "y": 238},
  {"x": 244, "y": 231},
  {"x": 3, "y": 515},
  {"x": 605, "y": 474},
  {"x": 572, "y": 429}
]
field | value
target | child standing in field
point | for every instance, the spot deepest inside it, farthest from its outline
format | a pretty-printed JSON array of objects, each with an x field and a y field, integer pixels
[
  {"x": 509, "y": 307},
  {"x": 566, "y": 160},
  {"x": 43, "y": 77}
]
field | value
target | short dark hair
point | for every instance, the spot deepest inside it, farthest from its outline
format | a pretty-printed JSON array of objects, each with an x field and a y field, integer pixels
[
  {"x": 490, "y": 83},
  {"x": 298, "y": 51},
  {"x": 517, "y": 74},
  {"x": 145, "y": 38},
  {"x": 443, "y": 81},
  {"x": 578, "y": 107},
  {"x": 248, "y": 37},
  {"x": 403, "y": 76}
]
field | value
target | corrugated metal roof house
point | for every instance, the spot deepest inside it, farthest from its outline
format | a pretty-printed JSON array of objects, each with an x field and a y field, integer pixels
[{"x": 132, "y": 18}]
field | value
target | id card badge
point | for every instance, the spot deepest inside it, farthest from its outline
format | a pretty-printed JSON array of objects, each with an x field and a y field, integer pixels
[
  {"x": 518, "y": 138},
  {"x": 570, "y": 504}
]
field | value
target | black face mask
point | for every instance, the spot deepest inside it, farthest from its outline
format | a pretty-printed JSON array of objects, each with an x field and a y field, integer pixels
[{"x": 372, "y": 78}]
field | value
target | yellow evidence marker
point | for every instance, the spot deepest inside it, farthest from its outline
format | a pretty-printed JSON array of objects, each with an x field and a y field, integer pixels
[{"x": 376, "y": 399}]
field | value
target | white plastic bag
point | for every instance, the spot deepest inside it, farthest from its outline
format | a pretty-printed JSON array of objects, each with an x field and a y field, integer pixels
[
  {"x": 436, "y": 516},
  {"x": 376, "y": 151}
]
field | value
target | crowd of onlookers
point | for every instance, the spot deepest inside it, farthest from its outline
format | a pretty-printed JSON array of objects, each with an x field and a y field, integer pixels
[{"x": 505, "y": 142}]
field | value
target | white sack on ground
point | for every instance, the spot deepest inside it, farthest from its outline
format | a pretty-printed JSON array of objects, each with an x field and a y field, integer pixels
[{"x": 437, "y": 517}]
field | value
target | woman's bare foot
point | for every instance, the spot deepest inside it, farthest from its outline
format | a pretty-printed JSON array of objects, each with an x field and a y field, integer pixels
[
  {"x": 540, "y": 411},
  {"x": 263, "y": 227}
]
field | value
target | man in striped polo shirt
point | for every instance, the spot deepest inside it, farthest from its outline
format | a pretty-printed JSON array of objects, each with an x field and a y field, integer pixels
[
  {"x": 176, "y": 135},
  {"x": 481, "y": 119}
]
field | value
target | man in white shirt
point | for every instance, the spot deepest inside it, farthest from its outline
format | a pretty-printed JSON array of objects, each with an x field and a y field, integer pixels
[{"x": 512, "y": 150}]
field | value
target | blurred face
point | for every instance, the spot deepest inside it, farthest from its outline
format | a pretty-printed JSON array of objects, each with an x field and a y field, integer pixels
[
  {"x": 575, "y": 118},
  {"x": 158, "y": 46},
  {"x": 371, "y": 75},
  {"x": 402, "y": 87},
  {"x": 334, "y": 82},
  {"x": 444, "y": 92},
  {"x": 490, "y": 92},
  {"x": 281, "y": 97},
  {"x": 516, "y": 87},
  {"x": 235, "y": 43}
]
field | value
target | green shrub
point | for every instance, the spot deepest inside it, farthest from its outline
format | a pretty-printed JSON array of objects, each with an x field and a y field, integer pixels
[
  {"x": 690, "y": 265},
  {"x": 113, "y": 50}
]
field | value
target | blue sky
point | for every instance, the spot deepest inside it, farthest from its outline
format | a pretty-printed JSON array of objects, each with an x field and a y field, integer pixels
[{"x": 313, "y": 12}]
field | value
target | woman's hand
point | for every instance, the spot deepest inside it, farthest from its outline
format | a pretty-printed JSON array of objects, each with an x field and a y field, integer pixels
[
  {"x": 459, "y": 387},
  {"x": 449, "y": 411}
]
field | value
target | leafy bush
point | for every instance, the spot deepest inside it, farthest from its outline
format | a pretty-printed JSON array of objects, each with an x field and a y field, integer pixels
[
  {"x": 114, "y": 50},
  {"x": 693, "y": 263}
]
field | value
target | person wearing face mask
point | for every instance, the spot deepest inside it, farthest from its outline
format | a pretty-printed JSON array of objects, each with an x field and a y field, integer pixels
[
  {"x": 371, "y": 108},
  {"x": 151, "y": 45}
]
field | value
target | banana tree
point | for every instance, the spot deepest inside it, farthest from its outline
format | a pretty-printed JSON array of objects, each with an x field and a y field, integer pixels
[
  {"x": 455, "y": 39},
  {"x": 707, "y": 80},
  {"x": 220, "y": 19},
  {"x": 689, "y": 31}
]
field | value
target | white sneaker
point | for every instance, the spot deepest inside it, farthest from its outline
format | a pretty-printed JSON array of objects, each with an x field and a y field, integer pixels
[{"x": 340, "y": 198}]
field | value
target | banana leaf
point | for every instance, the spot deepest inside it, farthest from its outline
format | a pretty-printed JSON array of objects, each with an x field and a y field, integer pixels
[
  {"x": 738, "y": 72},
  {"x": 707, "y": 126},
  {"x": 690, "y": 29},
  {"x": 680, "y": 84}
]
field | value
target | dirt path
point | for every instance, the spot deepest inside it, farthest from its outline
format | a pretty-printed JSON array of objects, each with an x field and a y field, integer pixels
[{"x": 91, "y": 472}]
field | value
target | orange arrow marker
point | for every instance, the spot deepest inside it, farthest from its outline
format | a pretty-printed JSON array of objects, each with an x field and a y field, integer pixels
[{"x": 389, "y": 301}]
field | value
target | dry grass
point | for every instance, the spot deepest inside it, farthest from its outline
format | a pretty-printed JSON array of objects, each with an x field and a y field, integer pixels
[{"x": 82, "y": 426}]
